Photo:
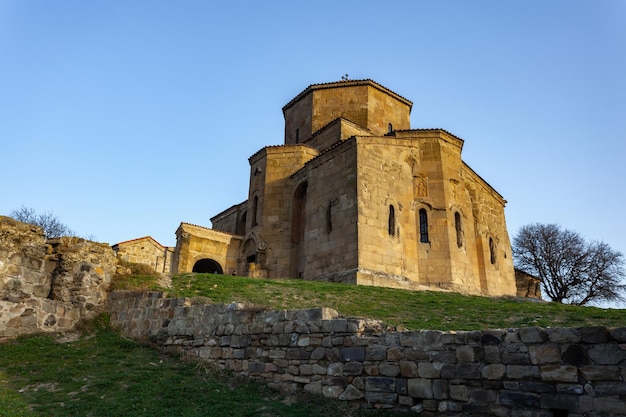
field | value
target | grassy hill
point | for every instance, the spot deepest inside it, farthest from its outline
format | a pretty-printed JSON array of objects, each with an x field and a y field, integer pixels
[
  {"x": 406, "y": 309},
  {"x": 104, "y": 374}
]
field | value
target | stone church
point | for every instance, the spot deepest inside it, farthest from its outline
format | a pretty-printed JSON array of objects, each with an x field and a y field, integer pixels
[{"x": 355, "y": 195}]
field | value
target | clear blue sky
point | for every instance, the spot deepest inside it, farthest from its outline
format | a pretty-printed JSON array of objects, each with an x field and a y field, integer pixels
[{"x": 125, "y": 118}]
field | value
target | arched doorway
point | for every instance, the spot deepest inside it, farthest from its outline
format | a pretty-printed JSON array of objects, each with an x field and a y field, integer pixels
[{"x": 207, "y": 266}]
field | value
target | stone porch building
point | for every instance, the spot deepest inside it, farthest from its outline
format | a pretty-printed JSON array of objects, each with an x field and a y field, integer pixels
[{"x": 355, "y": 195}]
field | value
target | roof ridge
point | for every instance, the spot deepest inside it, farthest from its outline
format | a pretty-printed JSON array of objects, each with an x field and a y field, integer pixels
[
  {"x": 141, "y": 238},
  {"x": 342, "y": 83}
]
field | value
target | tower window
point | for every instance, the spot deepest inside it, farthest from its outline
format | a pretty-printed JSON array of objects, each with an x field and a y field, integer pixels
[
  {"x": 389, "y": 128},
  {"x": 329, "y": 217},
  {"x": 392, "y": 221},
  {"x": 423, "y": 216},
  {"x": 459, "y": 229},
  {"x": 492, "y": 251},
  {"x": 297, "y": 135}
]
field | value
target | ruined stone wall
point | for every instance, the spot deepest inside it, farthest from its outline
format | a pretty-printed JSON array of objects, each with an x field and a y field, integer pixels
[
  {"x": 528, "y": 372},
  {"x": 146, "y": 251},
  {"x": 49, "y": 285},
  {"x": 527, "y": 285}
]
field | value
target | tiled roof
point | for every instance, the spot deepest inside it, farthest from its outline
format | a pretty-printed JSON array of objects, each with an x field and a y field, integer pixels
[
  {"x": 347, "y": 83},
  {"x": 278, "y": 146},
  {"x": 431, "y": 130},
  {"x": 207, "y": 228},
  {"x": 138, "y": 239},
  {"x": 325, "y": 151}
]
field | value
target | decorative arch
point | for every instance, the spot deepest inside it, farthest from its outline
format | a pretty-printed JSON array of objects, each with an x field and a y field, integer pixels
[
  {"x": 298, "y": 227},
  {"x": 298, "y": 214},
  {"x": 207, "y": 265},
  {"x": 493, "y": 251}
]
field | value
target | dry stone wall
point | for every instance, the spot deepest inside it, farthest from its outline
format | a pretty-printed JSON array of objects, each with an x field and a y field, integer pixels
[
  {"x": 528, "y": 372},
  {"x": 49, "y": 285}
]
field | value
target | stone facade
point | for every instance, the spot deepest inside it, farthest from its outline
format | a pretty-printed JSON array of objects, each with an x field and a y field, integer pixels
[
  {"x": 194, "y": 242},
  {"x": 147, "y": 251},
  {"x": 355, "y": 195},
  {"x": 49, "y": 285},
  {"x": 528, "y": 372}
]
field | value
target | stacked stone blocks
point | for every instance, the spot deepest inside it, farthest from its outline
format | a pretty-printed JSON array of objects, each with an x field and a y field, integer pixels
[
  {"x": 49, "y": 285},
  {"x": 528, "y": 372}
]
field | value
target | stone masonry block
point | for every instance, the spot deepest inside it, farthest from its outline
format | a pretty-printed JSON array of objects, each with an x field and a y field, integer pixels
[
  {"x": 532, "y": 335},
  {"x": 594, "y": 334},
  {"x": 459, "y": 392},
  {"x": 607, "y": 354},
  {"x": 408, "y": 369},
  {"x": 544, "y": 354},
  {"x": 420, "y": 388},
  {"x": 560, "y": 335},
  {"x": 559, "y": 373},
  {"x": 560, "y": 402},
  {"x": 350, "y": 354},
  {"x": 461, "y": 370},
  {"x": 465, "y": 354},
  {"x": 600, "y": 373},
  {"x": 494, "y": 371},
  {"x": 522, "y": 371},
  {"x": 619, "y": 334},
  {"x": 610, "y": 405},
  {"x": 380, "y": 384},
  {"x": 430, "y": 370}
]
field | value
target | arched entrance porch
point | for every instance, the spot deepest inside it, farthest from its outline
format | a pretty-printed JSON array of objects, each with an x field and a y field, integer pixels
[{"x": 207, "y": 266}]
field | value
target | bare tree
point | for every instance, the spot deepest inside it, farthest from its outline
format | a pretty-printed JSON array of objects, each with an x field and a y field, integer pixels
[
  {"x": 48, "y": 221},
  {"x": 571, "y": 270}
]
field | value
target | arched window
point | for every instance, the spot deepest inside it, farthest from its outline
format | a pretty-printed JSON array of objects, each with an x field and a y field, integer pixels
[
  {"x": 459, "y": 229},
  {"x": 492, "y": 251},
  {"x": 423, "y": 215},
  {"x": 297, "y": 135},
  {"x": 389, "y": 128},
  {"x": 392, "y": 221}
]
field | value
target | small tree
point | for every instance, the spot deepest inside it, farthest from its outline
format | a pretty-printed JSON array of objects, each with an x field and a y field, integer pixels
[
  {"x": 571, "y": 270},
  {"x": 50, "y": 223}
]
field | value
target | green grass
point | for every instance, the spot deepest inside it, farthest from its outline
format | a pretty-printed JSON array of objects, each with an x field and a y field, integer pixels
[
  {"x": 408, "y": 309},
  {"x": 103, "y": 374}
]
